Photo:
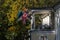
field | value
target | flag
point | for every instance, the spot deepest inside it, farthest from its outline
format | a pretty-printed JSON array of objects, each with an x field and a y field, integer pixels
[
  {"x": 19, "y": 15},
  {"x": 24, "y": 17}
]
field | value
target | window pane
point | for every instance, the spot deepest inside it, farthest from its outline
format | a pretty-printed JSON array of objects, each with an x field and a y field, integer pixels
[{"x": 44, "y": 21}]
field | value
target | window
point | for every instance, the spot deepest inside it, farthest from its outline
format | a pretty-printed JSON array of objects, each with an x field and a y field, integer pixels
[{"x": 43, "y": 21}]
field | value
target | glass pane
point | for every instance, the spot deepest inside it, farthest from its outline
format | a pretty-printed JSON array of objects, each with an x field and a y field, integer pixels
[
  {"x": 44, "y": 22},
  {"x": 38, "y": 21}
]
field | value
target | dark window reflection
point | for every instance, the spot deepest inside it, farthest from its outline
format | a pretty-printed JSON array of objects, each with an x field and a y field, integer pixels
[{"x": 44, "y": 38}]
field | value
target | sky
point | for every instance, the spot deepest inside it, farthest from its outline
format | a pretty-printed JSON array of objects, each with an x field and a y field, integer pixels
[{"x": 46, "y": 20}]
